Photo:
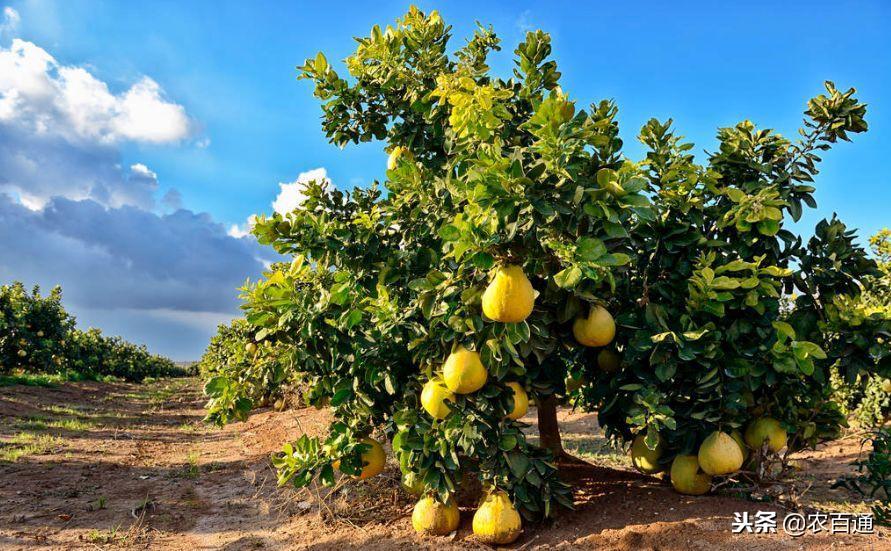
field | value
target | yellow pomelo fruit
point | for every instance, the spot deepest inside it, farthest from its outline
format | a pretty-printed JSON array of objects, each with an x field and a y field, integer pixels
[
  {"x": 766, "y": 428},
  {"x": 40, "y": 334},
  {"x": 250, "y": 348},
  {"x": 521, "y": 401},
  {"x": 463, "y": 371},
  {"x": 509, "y": 298},
  {"x": 719, "y": 454},
  {"x": 886, "y": 385},
  {"x": 435, "y": 518},
  {"x": 687, "y": 478},
  {"x": 497, "y": 520},
  {"x": 738, "y": 438},
  {"x": 598, "y": 329},
  {"x": 395, "y": 155},
  {"x": 643, "y": 458},
  {"x": 373, "y": 459},
  {"x": 608, "y": 360},
  {"x": 573, "y": 384},
  {"x": 434, "y": 397}
]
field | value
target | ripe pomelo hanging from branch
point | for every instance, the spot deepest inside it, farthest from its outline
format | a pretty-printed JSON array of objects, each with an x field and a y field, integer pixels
[
  {"x": 720, "y": 454},
  {"x": 643, "y": 458},
  {"x": 520, "y": 399},
  {"x": 509, "y": 298},
  {"x": 433, "y": 398},
  {"x": 463, "y": 371},
  {"x": 598, "y": 329}
]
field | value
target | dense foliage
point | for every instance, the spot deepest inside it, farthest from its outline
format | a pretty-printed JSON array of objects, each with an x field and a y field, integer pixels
[
  {"x": 694, "y": 260},
  {"x": 241, "y": 373},
  {"x": 874, "y": 480},
  {"x": 867, "y": 397},
  {"x": 37, "y": 335}
]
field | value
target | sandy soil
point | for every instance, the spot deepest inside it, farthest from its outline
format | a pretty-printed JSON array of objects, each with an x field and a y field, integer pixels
[{"x": 114, "y": 466}]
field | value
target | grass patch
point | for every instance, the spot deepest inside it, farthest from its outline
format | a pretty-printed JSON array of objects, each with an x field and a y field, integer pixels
[
  {"x": 69, "y": 412},
  {"x": 26, "y": 443},
  {"x": 42, "y": 423},
  {"x": 51, "y": 380},
  {"x": 594, "y": 449},
  {"x": 192, "y": 469},
  {"x": 32, "y": 379}
]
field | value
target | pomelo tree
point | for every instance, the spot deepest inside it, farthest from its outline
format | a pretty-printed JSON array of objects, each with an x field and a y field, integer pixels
[{"x": 514, "y": 253}]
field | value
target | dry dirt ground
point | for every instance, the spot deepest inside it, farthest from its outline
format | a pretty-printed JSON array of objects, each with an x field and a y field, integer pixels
[{"x": 121, "y": 466}]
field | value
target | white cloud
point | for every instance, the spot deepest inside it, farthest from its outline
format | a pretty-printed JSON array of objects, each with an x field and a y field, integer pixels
[
  {"x": 60, "y": 128},
  {"x": 38, "y": 93},
  {"x": 73, "y": 212},
  {"x": 243, "y": 230},
  {"x": 291, "y": 195},
  {"x": 10, "y": 21},
  {"x": 173, "y": 199}
]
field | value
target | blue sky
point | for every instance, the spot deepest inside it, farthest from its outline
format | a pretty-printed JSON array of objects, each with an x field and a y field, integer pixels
[{"x": 228, "y": 70}]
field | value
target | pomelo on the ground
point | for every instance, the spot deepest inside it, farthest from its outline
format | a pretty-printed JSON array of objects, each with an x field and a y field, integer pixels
[
  {"x": 720, "y": 454},
  {"x": 643, "y": 458},
  {"x": 687, "y": 478},
  {"x": 497, "y": 520},
  {"x": 430, "y": 516}
]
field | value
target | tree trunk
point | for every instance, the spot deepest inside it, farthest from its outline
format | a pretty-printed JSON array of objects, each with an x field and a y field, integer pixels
[{"x": 548, "y": 429}]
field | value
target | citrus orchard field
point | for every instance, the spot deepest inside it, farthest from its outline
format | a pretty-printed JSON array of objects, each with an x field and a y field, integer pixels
[
  {"x": 128, "y": 466},
  {"x": 521, "y": 336},
  {"x": 514, "y": 255}
]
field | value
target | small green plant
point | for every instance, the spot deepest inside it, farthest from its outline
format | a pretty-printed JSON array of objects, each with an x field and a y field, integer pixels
[
  {"x": 106, "y": 537},
  {"x": 26, "y": 443},
  {"x": 874, "y": 480},
  {"x": 192, "y": 469},
  {"x": 40, "y": 423}
]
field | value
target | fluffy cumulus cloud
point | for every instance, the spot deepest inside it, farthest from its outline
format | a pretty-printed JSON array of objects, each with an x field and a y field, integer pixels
[
  {"x": 9, "y": 21},
  {"x": 290, "y": 196},
  {"x": 73, "y": 213},
  {"x": 60, "y": 130}
]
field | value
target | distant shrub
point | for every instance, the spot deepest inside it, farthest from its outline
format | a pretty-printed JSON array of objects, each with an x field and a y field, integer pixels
[
  {"x": 874, "y": 480},
  {"x": 38, "y": 336}
]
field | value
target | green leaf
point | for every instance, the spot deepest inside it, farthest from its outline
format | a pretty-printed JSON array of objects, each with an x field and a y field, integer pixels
[
  {"x": 216, "y": 386},
  {"x": 568, "y": 277},
  {"x": 483, "y": 260},
  {"x": 508, "y": 442},
  {"x": 449, "y": 233},
  {"x": 784, "y": 329},
  {"x": 590, "y": 249},
  {"x": 518, "y": 463},
  {"x": 615, "y": 259}
]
